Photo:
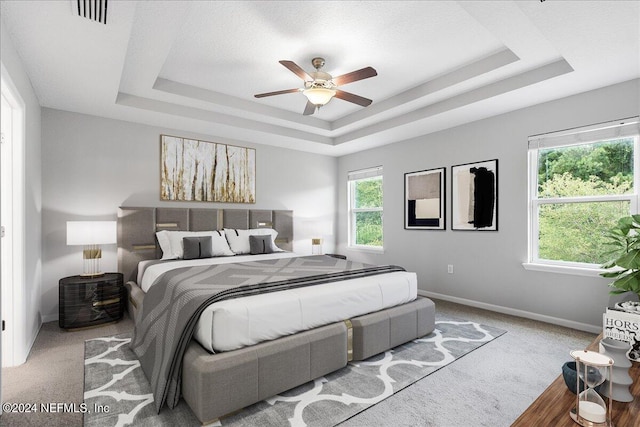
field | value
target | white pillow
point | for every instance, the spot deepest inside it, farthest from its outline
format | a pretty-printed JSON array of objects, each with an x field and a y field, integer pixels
[
  {"x": 219, "y": 244},
  {"x": 165, "y": 244},
  {"x": 239, "y": 239}
]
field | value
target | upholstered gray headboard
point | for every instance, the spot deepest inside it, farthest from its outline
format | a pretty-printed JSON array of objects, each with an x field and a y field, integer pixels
[{"x": 137, "y": 227}]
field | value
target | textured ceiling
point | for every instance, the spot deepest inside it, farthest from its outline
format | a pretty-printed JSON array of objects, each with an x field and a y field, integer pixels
[{"x": 195, "y": 65}]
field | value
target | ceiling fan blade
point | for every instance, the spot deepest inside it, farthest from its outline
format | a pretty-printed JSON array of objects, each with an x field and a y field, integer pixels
[
  {"x": 354, "y": 76},
  {"x": 279, "y": 92},
  {"x": 297, "y": 70},
  {"x": 309, "y": 109},
  {"x": 356, "y": 99}
]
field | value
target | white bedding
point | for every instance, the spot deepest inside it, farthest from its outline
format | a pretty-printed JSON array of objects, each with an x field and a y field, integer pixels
[{"x": 236, "y": 323}]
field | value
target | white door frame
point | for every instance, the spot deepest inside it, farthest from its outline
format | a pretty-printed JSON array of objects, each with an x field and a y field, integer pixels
[{"x": 13, "y": 349}]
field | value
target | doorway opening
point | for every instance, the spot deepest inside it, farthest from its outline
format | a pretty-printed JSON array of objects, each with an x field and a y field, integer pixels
[{"x": 12, "y": 221}]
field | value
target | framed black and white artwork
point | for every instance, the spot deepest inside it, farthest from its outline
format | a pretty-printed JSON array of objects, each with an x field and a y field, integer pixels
[
  {"x": 474, "y": 196},
  {"x": 424, "y": 206}
]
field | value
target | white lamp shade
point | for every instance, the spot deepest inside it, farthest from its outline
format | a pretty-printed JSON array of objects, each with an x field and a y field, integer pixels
[
  {"x": 91, "y": 232},
  {"x": 319, "y": 95}
]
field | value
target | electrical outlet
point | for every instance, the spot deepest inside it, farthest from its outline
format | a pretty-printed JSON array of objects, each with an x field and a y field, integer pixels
[{"x": 450, "y": 268}]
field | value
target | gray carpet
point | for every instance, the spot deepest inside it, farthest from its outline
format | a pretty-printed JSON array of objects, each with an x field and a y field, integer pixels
[
  {"x": 490, "y": 386},
  {"x": 117, "y": 393}
]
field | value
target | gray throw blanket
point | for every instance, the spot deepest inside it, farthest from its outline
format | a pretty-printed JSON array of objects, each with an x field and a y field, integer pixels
[{"x": 173, "y": 305}]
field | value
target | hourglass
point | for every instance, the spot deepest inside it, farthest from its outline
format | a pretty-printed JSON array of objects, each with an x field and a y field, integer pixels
[{"x": 593, "y": 368}]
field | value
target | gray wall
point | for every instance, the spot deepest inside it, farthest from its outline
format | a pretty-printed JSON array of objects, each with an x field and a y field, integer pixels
[
  {"x": 93, "y": 165},
  {"x": 488, "y": 268},
  {"x": 31, "y": 287}
]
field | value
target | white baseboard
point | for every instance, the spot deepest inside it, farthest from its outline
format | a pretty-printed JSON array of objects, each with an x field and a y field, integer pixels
[
  {"x": 33, "y": 341},
  {"x": 514, "y": 312}
]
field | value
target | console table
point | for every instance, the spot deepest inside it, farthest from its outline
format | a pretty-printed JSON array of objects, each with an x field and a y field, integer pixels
[{"x": 552, "y": 407}]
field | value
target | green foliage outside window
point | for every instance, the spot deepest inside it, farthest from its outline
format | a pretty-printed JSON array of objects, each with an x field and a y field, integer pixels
[
  {"x": 576, "y": 231},
  {"x": 369, "y": 228},
  {"x": 368, "y": 194},
  {"x": 602, "y": 164}
]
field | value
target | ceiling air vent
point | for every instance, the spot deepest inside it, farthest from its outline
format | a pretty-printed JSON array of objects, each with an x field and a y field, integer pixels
[{"x": 95, "y": 10}]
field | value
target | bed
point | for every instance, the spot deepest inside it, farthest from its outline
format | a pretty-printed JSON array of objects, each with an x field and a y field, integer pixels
[{"x": 234, "y": 353}]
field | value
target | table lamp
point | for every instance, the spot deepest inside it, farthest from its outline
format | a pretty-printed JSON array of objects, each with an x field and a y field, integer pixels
[
  {"x": 91, "y": 234},
  {"x": 316, "y": 246}
]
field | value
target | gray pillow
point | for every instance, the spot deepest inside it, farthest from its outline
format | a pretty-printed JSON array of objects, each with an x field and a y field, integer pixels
[
  {"x": 260, "y": 244},
  {"x": 197, "y": 247}
]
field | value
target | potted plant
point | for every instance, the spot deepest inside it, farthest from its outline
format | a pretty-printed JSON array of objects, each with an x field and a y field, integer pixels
[{"x": 624, "y": 267}]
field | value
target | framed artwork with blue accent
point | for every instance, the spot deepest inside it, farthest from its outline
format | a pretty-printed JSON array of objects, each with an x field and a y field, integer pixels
[{"x": 424, "y": 207}]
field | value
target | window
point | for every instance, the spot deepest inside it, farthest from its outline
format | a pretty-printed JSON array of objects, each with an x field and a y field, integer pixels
[
  {"x": 365, "y": 208},
  {"x": 581, "y": 182}
]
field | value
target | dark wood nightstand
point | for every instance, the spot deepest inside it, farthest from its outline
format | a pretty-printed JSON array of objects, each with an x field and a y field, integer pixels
[{"x": 91, "y": 301}]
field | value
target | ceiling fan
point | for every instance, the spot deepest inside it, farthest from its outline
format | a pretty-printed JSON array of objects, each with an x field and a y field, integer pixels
[{"x": 321, "y": 87}]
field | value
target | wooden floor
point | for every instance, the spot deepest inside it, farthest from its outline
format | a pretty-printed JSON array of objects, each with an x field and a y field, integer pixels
[{"x": 553, "y": 406}]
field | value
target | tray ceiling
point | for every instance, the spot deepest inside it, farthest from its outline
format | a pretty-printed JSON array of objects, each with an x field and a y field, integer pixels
[{"x": 195, "y": 66}]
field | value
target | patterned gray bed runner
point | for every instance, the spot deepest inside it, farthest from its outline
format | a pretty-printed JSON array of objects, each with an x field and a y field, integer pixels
[{"x": 173, "y": 305}]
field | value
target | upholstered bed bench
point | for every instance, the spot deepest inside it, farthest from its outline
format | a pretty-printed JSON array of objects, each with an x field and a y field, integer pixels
[
  {"x": 379, "y": 331},
  {"x": 235, "y": 379}
]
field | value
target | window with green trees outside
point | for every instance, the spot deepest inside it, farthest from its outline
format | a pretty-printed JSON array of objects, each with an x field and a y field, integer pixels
[
  {"x": 365, "y": 208},
  {"x": 581, "y": 189}
]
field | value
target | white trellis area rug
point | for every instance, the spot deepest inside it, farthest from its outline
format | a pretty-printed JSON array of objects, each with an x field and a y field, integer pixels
[{"x": 118, "y": 394}]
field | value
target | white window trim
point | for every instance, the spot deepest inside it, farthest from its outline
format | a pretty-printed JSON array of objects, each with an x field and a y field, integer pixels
[
  {"x": 352, "y": 212},
  {"x": 550, "y": 267},
  {"x": 366, "y": 248},
  {"x": 352, "y": 177},
  {"x": 566, "y": 267}
]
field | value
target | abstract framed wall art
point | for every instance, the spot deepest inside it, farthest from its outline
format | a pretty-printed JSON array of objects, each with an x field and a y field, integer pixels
[
  {"x": 424, "y": 206},
  {"x": 193, "y": 170},
  {"x": 474, "y": 196}
]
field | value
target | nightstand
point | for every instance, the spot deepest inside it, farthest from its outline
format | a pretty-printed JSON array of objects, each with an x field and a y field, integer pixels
[{"x": 91, "y": 301}]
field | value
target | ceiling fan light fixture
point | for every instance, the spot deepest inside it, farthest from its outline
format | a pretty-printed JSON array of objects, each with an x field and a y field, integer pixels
[
  {"x": 319, "y": 95},
  {"x": 320, "y": 87}
]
